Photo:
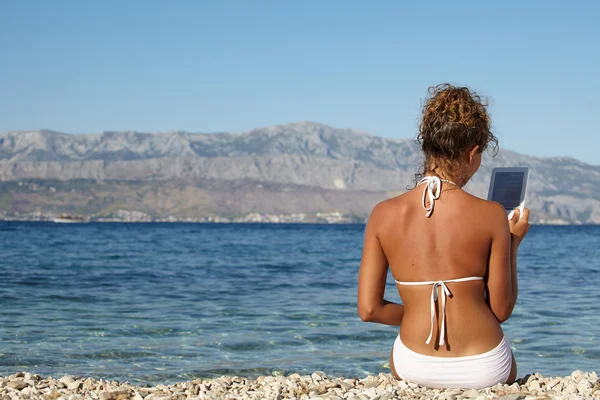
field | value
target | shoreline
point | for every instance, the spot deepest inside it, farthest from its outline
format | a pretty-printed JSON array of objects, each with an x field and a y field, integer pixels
[
  {"x": 21, "y": 385},
  {"x": 234, "y": 222}
]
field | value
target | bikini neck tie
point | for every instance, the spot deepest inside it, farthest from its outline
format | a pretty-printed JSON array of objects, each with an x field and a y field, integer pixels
[{"x": 432, "y": 191}]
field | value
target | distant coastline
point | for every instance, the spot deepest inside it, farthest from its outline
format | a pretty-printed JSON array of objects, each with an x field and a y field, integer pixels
[
  {"x": 252, "y": 218},
  {"x": 123, "y": 216},
  {"x": 284, "y": 173}
]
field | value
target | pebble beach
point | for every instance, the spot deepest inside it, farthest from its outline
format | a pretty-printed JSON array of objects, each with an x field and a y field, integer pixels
[{"x": 22, "y": 385}]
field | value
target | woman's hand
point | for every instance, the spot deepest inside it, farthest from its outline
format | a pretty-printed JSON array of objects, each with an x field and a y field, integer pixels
[{"x": 519, "y": 225}]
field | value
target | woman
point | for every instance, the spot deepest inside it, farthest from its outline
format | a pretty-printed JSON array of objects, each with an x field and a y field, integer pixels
[{"x": 453, "y": 256}]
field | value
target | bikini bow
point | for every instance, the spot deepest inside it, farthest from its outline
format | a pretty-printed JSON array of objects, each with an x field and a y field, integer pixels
[
  {"x": 432, "y": 191},
  {"x": 434, "y": 297}
]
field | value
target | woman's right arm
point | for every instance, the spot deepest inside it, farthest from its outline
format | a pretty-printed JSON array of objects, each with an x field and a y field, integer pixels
[{"x": 503, "y": 286}]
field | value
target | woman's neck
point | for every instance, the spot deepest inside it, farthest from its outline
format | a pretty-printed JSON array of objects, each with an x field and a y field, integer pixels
[{"x": 456, "y": 179}]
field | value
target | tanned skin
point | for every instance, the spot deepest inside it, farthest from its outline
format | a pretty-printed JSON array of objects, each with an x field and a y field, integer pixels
[{"x": 465, "y": 236}]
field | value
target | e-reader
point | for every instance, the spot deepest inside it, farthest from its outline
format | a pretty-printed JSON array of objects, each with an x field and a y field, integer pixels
[{"x": 508, "y": 187}]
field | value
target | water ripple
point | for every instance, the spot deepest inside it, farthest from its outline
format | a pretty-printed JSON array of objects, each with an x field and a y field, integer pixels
[{"x": 155, "y": 303}]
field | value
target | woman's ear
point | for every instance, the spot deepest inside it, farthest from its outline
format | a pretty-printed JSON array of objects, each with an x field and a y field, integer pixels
[{"x": 473, "y": 153}]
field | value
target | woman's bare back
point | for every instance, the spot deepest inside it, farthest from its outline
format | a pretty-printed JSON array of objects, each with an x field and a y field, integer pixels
[
  {"x": 454, "y": 242},
  {"x": 457, "y": 236}
]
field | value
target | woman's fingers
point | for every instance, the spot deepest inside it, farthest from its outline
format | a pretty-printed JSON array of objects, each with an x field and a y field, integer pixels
[{"x": 519, "y": 224}]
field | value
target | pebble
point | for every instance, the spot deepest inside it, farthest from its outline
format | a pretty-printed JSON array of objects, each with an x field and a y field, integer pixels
[
  {"x": 106, "y": 396},
  {"x": 16, "y": 384},
  {"x": 512, "y": 397},
  {"x": 74, "y": 386},
  {"x": 471, "y": 393},
  {"x": 578, "y": 385}
]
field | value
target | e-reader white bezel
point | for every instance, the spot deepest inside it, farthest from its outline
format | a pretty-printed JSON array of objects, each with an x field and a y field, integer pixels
[{"x": 524, "y": 170}]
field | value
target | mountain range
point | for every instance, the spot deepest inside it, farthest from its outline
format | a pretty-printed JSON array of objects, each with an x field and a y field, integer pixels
[{"x": 305, "y": 169}]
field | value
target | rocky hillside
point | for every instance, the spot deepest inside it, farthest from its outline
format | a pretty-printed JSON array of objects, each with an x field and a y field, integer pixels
[{"x": 297, "y": 168}]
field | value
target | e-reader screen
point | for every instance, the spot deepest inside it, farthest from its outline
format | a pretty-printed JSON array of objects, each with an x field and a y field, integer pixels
[{"x": 508, "y": 189}]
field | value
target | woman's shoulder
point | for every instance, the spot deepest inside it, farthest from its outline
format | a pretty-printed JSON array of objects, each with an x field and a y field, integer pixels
[
  {"x": 394, "y": 206},
  {"x": 490, "y": 210},
  {"x": 394, "y": 202}
]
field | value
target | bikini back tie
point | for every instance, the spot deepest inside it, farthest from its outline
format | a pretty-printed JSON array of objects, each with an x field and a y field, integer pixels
[{"x": 434, "y": 296}]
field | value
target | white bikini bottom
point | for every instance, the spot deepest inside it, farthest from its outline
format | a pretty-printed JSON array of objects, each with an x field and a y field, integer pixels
[{"x": 467, "y": 372}]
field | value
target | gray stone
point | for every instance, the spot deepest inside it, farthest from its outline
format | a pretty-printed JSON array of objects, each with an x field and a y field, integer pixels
[
  {"x": 17, "y": 384},
  {"x": 371, "y": 384},
  {"x": 67, "y": 379},
  {"x": 534, "y": 385},
  {"x": 318, "y": 376},
  {"x": 27, "y": 391},
  {"x": 75, "y": 385},
  {"x": 194, "y": 389},
  {"x": 577, "y": 375},
  {"x": 471, "y": 393},
  {"x": 584, "y": 383},
  {"x": 447, "y": 396},
  {"x": 106, "y": 396},
  {"x": 514, "y": 396}
]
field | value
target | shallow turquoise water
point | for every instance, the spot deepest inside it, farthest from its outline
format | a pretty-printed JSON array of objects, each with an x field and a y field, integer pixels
[{"x": 164, "y": 302}]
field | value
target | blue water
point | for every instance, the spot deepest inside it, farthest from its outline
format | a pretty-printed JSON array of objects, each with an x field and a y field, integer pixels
[{"x": 166, "y": 302}]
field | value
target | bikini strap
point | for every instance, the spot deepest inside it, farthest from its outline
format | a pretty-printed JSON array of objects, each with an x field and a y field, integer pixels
[{"x": 423, "y": 283}]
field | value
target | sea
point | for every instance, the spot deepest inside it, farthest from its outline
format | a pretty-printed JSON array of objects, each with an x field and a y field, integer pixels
[{"x": 159, "y": 303}]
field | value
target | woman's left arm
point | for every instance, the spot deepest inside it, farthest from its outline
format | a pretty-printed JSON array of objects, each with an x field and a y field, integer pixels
[{"x": 372, "y": 307}]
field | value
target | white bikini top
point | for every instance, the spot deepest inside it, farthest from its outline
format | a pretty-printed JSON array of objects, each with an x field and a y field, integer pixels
[{"x": 432, "y": 191}]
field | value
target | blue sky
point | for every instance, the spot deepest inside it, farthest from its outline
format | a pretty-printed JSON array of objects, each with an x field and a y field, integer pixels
[{"x": 204, "y": 66}]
